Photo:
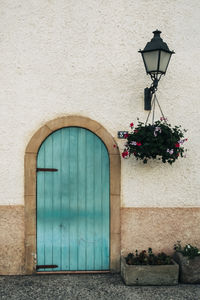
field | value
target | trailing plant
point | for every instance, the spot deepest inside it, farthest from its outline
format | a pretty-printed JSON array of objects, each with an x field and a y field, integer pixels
[
  {"x": 148, "y": 258},
  {"x": 155, "y": 141},
  {"x": 187, "y": 250}
]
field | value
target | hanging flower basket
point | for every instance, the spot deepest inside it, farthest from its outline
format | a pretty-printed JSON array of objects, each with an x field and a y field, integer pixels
[
  {"x": 155, "y": 141},
  {"x": 158, "y": 140}
]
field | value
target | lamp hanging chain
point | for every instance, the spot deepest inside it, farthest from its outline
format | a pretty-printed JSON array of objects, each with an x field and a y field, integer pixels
[
  {"x": 153, "y": 105},
  {"x": 153, "y": 112},
  {"x": 164, "y": 119}
]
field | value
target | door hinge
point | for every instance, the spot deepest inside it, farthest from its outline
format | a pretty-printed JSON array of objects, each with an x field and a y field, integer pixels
[
  {"x": 46, "y": 170},
  {"x": 46, "y": 267}
]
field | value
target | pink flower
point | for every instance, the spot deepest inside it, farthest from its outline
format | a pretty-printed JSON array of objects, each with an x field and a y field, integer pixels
[
  {"x": 125, "y": 153},
  {"x": 131, "y": 125},
  {"x": 163, "y": 119},
  {"x": 177, "y": 145},
  {"x": 170, "y": 151},
  {"x": 138, "y": 144},
  {"x": 157, "y": 129},
  {"x": 126, "y": 135},
  {"x": 182, "y": 141}
]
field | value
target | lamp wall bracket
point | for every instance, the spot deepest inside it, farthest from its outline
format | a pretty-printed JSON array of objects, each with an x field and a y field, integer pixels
[
  {"x": 147, "y": 98},
  {"x": 148, "y": 92}
]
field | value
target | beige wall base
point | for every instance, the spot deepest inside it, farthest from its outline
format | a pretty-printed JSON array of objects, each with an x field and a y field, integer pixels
[
  {"x": 158, "y": 228},
  {"x": 11, "y": 240}
]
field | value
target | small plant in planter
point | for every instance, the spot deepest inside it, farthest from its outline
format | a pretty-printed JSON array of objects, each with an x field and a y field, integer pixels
[
  {"x": 155, "y": 141},
  {"x": 188, "y": 258},
  {"x": 190, "y": 251},
  {"x": 148, "y": 258},
  {"x": 146, "y": 268}
]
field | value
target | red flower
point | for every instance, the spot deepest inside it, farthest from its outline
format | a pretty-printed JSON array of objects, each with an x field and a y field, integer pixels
[
  {"x": 126, "y": 135},
  {"x": 125, "y": 153},
  {"x": 135, "y": 131},
  {"x": 114, "y": 146},
  {"x": 177, "y": 145},
  {"x": 131, "y": 125},
  {"x": 138, "y": 144}
]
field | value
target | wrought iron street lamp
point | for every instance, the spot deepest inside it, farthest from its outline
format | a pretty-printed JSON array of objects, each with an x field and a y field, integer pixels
[{"x": 156, "y": 56}]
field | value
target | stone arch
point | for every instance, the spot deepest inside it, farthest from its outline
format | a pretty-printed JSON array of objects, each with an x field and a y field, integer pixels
[{"x": 30, "y": 186}]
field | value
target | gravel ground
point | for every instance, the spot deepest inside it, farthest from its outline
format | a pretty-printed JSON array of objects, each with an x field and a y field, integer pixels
[{"x": 88, "y": 286}]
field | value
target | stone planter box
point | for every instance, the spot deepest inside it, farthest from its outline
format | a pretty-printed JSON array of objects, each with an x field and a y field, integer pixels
[
  {"x": 149, "y": 275},
  {"x": 189, "y": 268}
]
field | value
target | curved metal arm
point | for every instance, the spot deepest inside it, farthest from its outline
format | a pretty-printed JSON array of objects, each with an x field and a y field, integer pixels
[{"x": 148, "y": 92}]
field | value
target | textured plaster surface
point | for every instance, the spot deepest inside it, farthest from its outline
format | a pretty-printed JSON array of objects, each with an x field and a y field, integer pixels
[
  {"x": 11, "y": 240},
  {"x": 158, "y": 228},
  {"x": 80, "y": 57}
]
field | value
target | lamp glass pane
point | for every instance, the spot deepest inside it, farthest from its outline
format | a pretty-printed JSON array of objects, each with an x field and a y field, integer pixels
[
  {"x": 164, "y": 60},
  {"x": 151, "y": 60}
]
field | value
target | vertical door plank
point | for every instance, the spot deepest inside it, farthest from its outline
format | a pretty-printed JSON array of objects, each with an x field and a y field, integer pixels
[
  {"x": 105, "y": 208},
  {"x": 65, "y": 213},
  {"x": 73, "y": 199},
  {"x": 48, "y": 191},
  {"x": 56, "y": 206},
  {"x": 81, "y": 199},
  {"x": 97, "y": 204},
  {"x": 40, "y": 208},
  {"x": 90, "y": 201}
]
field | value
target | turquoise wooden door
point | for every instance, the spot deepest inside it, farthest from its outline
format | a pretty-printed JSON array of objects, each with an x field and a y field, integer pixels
[{"x": 72, "y": 202}]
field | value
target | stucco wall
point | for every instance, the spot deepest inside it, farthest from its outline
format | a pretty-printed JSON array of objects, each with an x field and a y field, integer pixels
[
  {"x": 80, "y": 57},
  {"x": 12, "y": 239}
]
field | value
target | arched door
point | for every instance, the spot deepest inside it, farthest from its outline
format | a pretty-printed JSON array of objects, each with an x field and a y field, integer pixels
[{"x": 73, "y": 202}]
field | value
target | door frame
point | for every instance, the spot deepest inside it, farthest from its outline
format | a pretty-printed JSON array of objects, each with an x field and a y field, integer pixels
[{"x": 30, "y": 164}]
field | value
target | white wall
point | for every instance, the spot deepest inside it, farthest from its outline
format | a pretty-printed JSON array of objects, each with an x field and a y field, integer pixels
[{"x": 80, "y": 57}]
